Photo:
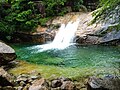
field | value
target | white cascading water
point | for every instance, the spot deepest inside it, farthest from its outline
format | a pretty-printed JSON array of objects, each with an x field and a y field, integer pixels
[{"x": 63, "y": 38}]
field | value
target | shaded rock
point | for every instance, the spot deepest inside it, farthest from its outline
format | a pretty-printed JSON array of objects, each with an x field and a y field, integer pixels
[
  {"x": 26, "y": 87},
  {"x": 40, "y": 84},
  {"x": 106, "y": 83},
  {"x": 36, "y": 37},
  {"x": 24, "y": 81},
  {"x": 8, "y": 88},
  {"x": 7, "y": 54},
  {"x": 63, "y": 84},
  {"x": 5, "y": 78},
  {"x": 111, "y": 37},
  {"x": 22, "y": 77},
  {"x": 56, "y": 83},
  {"x": 87, "y": 39}
]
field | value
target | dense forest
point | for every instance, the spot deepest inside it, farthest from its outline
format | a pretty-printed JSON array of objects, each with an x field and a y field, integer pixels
[
  {"x": 17, "y": 15},
  {"x": 26, "y": 15}
]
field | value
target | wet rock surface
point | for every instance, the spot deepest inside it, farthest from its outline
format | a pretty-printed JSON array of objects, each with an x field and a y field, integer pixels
[
  {"x": 7, "y": 54},
  {"x": 91, "y": 34}
]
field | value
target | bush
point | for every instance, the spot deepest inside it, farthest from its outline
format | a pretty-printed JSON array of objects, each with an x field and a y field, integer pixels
[
  {"x": 106, "y": 10},
  {"x": 26, "y": 15}
]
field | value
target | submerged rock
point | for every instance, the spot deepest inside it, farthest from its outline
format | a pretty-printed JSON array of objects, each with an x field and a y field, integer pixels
[{"x": 7, "y": 54}]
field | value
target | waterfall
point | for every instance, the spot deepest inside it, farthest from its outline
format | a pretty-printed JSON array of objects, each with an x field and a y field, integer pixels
[{"x": 63, "y": 38}]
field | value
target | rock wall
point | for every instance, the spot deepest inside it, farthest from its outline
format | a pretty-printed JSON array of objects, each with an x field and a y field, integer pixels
[
  {"x": 37, "y": 37},
  {"x": 91, "y": 34}
]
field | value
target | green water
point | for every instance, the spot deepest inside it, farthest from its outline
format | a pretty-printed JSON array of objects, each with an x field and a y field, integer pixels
[{"x": 101, "y": 58}]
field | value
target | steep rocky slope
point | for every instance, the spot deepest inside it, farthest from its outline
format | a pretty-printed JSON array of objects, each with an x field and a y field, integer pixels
[{"x": 97, "y": 33}]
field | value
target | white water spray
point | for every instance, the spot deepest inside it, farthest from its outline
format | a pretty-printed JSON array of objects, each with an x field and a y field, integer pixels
[{"x": 63, "y": 38}]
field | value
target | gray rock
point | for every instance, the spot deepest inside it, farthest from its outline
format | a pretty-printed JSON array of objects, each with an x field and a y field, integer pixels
[
  {"x": 39, "y": 85},
  {"x": 5, "y": 48},
  {"x": 68, "y": 85},
  {"x": 7, "y": 54},
  {"x": 114, "y": 35},
  {"x": 56, "y": 83},
  {"x": 106, "y": 83},
  {"x": 19, "y": 88},
  {"x": 63, "y": 84},
  {"x": 22, "y": 77},
  {"x": 88, "y": 39}
]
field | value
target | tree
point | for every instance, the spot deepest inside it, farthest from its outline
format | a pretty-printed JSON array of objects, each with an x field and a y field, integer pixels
[
  {"x": 25, "y": 15},
  {"x": 106, "y": 6}
]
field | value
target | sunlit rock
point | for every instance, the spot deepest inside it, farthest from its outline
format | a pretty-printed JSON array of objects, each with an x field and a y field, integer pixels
[
  {"x": 40, "y": 84},
  {"x": 7, "y": 54}
]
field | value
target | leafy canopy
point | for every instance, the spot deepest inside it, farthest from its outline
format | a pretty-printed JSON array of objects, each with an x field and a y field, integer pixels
[
  {"x": 25, "y": 15},
  {"x": 105, "y": 10}
]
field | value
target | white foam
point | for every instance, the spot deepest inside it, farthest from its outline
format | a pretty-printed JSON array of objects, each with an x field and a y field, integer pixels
[{"x": 63, "y": 39}]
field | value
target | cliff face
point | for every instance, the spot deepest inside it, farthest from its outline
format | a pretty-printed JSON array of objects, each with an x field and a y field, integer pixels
[{"x": 105, "y": 32}]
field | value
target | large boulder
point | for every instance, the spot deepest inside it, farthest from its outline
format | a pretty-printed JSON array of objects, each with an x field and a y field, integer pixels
[
  {"x": 113, "y": 36},
  {"x": 107, "y": 83},
  {"x": 7, "y": 54},
  {"x": 87, "y": 40}
]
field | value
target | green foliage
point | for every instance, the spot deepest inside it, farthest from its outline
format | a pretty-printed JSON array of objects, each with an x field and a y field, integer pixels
[
  {"x": 21, "y": 16},
  {"x": 77, "y": 4},
  {"x": 115, "y": 27},
  {"x": 26, "y": 15},
  {"x": 106, "y": 7},
  {"x": 54, "y": 7}
]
